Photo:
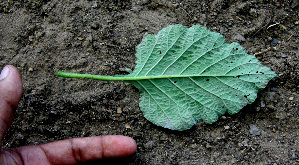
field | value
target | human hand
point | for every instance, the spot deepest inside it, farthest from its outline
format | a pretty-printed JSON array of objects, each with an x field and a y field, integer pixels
[{"x": 69, "y": 151}]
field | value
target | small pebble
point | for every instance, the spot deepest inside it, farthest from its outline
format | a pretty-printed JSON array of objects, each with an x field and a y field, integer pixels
[
  {"x": 95, "y": 25},
  {"x": 245, "y": 142},
  {"x": 127, "y": 126},
  {"x": 291, "y": 98},
  {"x": 284, "y": 55},
  {"x": 95, "y": 5},
  {"x": 263, "y": 105},
  {"x": 274, "y": 42},
  {"x": 226, "y": 127},
  {"x": 163, "y": 137},
  {"x": 254, "y": 130},
  {"x": 208, "y": 145},
  {"x": 239, "y": 37},
  {"x": 149, "y": 145},
  {"x": 119, "y": 110},
  {"x": 37, "y": 50}
]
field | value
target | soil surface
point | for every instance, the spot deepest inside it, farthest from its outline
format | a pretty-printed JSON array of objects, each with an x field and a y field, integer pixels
[{"x": 99, "y": 37}]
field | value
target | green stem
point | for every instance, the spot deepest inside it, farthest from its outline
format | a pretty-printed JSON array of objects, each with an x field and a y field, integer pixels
[
  {"x": 112, "y": 78},
  {"x": 89, "y": 76},
  {"x": 119, "y": 78}
]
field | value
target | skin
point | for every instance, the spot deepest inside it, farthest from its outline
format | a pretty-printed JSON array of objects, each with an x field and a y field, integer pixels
[{"x": 69, "y": 151}]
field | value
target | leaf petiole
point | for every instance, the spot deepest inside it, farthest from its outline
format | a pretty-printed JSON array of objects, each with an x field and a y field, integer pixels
[
  {"x": 127, "y": 78},
  {"x": 90, "y": 76}
]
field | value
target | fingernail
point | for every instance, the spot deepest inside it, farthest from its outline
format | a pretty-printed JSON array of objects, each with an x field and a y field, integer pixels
[{"x": 4, "y": 73}]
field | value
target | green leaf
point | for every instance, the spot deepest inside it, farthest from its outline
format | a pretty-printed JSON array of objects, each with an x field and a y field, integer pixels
[
  {"x": 187, "y": 75},
  {"x": 200, "y": 77}
]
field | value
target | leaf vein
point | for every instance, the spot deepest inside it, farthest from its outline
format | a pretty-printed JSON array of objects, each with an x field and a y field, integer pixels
[
  {"x": 153, "y": 47},
  {"x": 239, "y": 66},
  {"x": 230, "y": 86},
  {"x": 153, "y": 99},
  {"x": 164, "y": 53},
  {"x": 222, "y": 99},
  {"x": 169, "y": 98},
  {"x": 229, "y": 54},
  {"x": 191, "y": 96},
  {"x": 209, "y": 92},
  {"x": 182, "y": 54},
  {"x": 199, "y": 58}
]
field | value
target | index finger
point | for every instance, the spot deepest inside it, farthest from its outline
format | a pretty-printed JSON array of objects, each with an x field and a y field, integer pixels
[{"x": 77, "y": 150}]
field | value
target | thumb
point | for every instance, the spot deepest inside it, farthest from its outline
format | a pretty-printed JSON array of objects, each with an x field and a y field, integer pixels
[{"x": 10, "y": 93}]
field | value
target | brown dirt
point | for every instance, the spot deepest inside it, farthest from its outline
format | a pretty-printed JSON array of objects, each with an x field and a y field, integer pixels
[{"x": 99, "y": 37}]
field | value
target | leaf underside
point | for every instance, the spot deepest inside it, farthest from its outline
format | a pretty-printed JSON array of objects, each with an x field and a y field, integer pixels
[{"x": 194, "y": 76}]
